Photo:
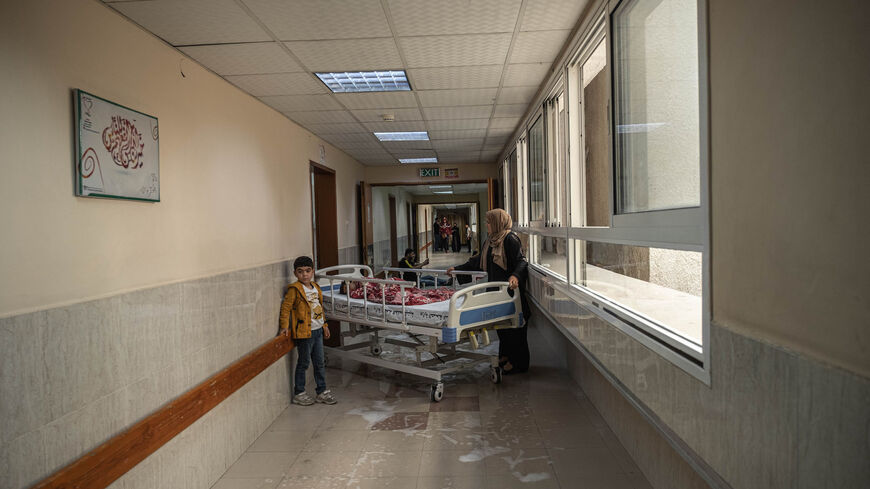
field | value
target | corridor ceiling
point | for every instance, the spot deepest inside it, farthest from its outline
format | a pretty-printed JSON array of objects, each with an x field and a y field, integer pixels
[{"x": 473, "y": 65}]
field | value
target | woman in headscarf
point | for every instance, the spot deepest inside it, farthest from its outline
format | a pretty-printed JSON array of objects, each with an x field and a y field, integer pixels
[{"x": 502, "y": 259}]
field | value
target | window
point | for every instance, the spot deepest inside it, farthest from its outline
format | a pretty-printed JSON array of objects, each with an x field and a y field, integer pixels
[
  {"x": 617, "y": 155},
  {"x": 512, "y": 175},
  {"x": 537, "y": 178},
  {"x": 551, "y": 253},
  {"x": 656, "y": 118},
  {"x": 554, "y": 130},
  {"x": 590, "y": 164}
]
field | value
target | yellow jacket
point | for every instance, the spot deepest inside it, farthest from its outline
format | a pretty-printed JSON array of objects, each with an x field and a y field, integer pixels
[{"x": 295, "y": 311}]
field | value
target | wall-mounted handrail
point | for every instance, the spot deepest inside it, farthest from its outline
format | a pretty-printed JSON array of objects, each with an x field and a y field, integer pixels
[{"x": 103, "y": 465}]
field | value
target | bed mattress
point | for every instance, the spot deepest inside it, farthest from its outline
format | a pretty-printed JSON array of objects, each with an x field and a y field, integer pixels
[{"x": 433, "y": 314}]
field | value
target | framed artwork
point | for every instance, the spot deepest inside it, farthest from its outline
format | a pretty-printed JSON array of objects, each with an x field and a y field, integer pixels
[{"x": 117, "y": 151}]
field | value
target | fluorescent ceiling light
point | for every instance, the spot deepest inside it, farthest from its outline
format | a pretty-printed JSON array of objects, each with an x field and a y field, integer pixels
[
  {"x": 440, "y": 187},
  {"x": 418, "y": 160},
  {"x": 365, "y": 81},
  {"x": 403, "y": 136},
  {"x": 443, "y": 192}
]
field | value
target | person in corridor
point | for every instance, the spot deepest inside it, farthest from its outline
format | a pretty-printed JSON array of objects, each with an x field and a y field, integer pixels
[
  {"x": 302, "y": 319},
  {"x": 502, "y": 258}
]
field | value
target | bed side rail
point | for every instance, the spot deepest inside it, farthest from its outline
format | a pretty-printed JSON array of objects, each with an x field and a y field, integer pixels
[
  {"x": 333, "y": 282},
  {"x": 482, "y": 308},
  {"x": 435, "y": 273},
  {"x": 343, "y": 271}
]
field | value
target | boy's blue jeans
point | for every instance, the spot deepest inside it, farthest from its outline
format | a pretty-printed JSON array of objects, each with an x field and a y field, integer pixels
[{"x": 310, "y": 349}]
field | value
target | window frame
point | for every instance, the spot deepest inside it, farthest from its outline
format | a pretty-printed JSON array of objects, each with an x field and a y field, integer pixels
[{"x": 684, "y": 228}]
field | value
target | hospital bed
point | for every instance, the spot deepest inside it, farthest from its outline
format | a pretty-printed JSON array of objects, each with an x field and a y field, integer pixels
[{"x": 431, "y": 331}]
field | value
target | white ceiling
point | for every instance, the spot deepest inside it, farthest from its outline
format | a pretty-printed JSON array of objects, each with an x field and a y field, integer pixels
[
  {"x": 458, "y": 189},
  {"x": 474, "y": 65}
]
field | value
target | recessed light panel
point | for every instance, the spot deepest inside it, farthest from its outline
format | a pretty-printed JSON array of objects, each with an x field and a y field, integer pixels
[
  {"x": 418, "y": 160},
  {"x": 402, "y": 136},
  {"x": 366, "y": 81}
]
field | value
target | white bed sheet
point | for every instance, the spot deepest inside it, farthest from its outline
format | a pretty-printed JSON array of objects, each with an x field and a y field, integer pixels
[{"x": 433, "y": 315}]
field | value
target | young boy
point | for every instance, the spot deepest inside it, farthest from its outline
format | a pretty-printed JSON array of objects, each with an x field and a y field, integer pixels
[{"x": 302, "y": 318}]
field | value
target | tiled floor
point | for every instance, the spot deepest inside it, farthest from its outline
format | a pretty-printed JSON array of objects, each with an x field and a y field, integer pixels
[
  {"x": 442, "y": 260},
  {"x": 535, "y": 430}
]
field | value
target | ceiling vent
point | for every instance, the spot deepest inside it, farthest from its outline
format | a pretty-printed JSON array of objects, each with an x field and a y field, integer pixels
[{"x": 388, "y": 117}]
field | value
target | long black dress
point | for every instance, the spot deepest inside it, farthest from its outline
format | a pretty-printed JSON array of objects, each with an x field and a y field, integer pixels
[{"x": 513, "y": 343}]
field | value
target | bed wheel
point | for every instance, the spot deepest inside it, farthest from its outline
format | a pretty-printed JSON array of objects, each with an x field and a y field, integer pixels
[
  {"x": 376, "y": 350},
  {"x": 438, "y": 391},
  {"x": 495, "y": 374}
]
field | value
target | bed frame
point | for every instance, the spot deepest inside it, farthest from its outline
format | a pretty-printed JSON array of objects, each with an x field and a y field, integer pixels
[{"x": 474, "y": 312}]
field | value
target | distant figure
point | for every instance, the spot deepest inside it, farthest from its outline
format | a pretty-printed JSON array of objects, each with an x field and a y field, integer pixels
[
  {"x": 436, "y": 235},
  {"x": 468, "y": 235},
  {"x": 445, "y": 234},
  {"x": 303, "y": 310},
  {"x": 410, "y": 261},
  {"x": 457, "y": 242}
]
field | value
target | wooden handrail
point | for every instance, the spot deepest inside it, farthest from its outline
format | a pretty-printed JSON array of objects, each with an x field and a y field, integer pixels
[{"x": 103, "y": 465}]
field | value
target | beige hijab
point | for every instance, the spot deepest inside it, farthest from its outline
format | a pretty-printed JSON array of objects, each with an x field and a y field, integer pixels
[{"x": 500, "y": 224}]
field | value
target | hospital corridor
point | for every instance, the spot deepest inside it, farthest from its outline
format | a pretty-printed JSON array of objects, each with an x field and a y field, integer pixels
[{"x": 434, "y": 244}]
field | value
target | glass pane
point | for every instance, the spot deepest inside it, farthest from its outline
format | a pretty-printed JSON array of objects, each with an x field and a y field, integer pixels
[
  {"x": 596, "y": 139},
  {"x": 536, "y": 171},
  {"x": 657, "y": 116},
  {"x": 512, "y": 173},
  {"x": 661, "y": 285},
  {"x": 551, "y": 253}
]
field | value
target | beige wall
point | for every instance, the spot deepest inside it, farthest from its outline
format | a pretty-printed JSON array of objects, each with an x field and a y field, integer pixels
[
  {"x": 233, "y": 171},
  {"x": 410, "y": 173},
  {"x": 789, "y": 192}
]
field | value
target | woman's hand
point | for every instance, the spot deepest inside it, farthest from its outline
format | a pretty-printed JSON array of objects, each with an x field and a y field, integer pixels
[
  {"x": 513, "y": 282},
  {"x": 450, "y": 270}
]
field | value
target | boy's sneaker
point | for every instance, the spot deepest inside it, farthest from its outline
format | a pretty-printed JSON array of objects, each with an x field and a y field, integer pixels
[
  {"x": 303, "y": 399},
  {"x": 326, "y": 397}
]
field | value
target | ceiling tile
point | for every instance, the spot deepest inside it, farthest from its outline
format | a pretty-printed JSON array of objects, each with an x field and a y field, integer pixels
[
  {"x": 458, "y": 144},
  {"x": 347, "y": 127},
  {"x": 467, "y": 112},
  {"x": 410, "y": 153},
  {"x": 278, "y": 84},
  {"x": 396, "y": 146},
  {"x": 395, "y": 126},
  {"x": 498, "y": 133},
  {"x": 290, "y": 103},
  {"x": 538, "y": 46},
  {"x": 457, "y": 124},
  {"x": 455, "y": 77},
  {"x": 526, "y": 74},
  {"x": 489, "y": 156},
  {"x": 449, "y": 98},
  {"x": 377, "y": 100},
  {"x": 360, "y": 138},
  {"x": 541, "y": 15},
  {"x": 194, "y": 21},
  {"x": 321, "y": 19},
  {"x": 355, "y": 145},
  {"x": 348, "y": 55},
  {"x": 516, "y": 95},
  {"x": 504, "y": 122},
  {"x": 464, "y": 50},
  {"x": 320, "y": 116},
  {"x": 244, "y": 59},
  {"x": 499, "y": 141},
  {"x": 376, "y": 115},
  {"x": 466, "y": 157},
  {"x": 512, "y": 110},
  {"x": 427, "y": 17},
  {"x": 458, "y": 134}
]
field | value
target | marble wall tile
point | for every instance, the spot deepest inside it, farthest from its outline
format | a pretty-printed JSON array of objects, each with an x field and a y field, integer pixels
[
  {"x": 149, "y": 330},
  {"x": 23, "y": 374},
  {"x": 84, "y": 354},
  {"x": 834, "y": 440},
  {"x": 22, "y": 460}
]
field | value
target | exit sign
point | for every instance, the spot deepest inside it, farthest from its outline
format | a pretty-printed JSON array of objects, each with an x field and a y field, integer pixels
[{"x": 429, "y": 172}]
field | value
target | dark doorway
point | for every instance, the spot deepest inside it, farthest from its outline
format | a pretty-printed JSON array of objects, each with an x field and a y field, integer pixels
[
  {"x": 394, "y": 252},
  {"x": 324, "y": 226}
]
